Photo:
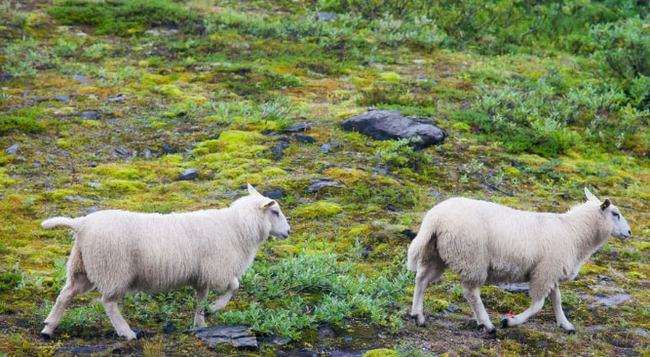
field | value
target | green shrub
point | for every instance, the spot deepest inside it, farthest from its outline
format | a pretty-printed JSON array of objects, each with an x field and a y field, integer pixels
[
  {"x": 25, "y": 57},
  {"x": 624, "y": 46},
  {"x": 123, "y": 17}
]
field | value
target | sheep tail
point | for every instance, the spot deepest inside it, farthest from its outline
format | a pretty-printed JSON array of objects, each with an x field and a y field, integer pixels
[
  {"x": 61, "y": 221},
  {"x": 420, "y": 242}
]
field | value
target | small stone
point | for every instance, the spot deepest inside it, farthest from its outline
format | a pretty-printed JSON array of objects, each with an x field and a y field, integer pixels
[
  {"x": 452, "y": 308},
  {"x": 168, "y": 149},
  {"x": 189, "y": 174},
  {"x": 326, "y": 332},
  {"x": 325, "y": 16},
  {"x": 169, "y": 327},
  {"x": 83, "y": 350},
  {"x": 94, "y": 184},
  {"x": 278, "y": 149},
  {"x": 515, "y": 287},
  {"x": 90, "y": 114},
  {"x": 296, "y": 128},
  {"x": 325, "y": 148},
  {"x": 5, "y": 77},
  {"x": 74, "y": 198},
  {"x": 236, "y": 336},
  {"x": 64, "y": 98},
  {"x": 91, "y": 209},
  {"x": 81, "y": 78},
  {"x": 116, "y": 98},
  {"x": 409, "y": 234},
  {"x": 611, "y": 300},
  {"x": 305, "y": 138},
  {"x": 13, "y": 149},
  {"x": 276, "y": 193},
  {"x": 318, "y": 185},
  {"x": 123, "y": 152},
  {"x": 146, "y": 153}
]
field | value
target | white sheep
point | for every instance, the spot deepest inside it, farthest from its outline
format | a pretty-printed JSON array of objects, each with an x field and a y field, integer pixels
[
  {"x": 118, "y": 251},
  {"x": 489, "y": 243}
]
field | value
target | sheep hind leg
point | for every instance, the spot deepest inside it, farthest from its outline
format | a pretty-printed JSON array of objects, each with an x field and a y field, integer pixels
[
  {"x": 423, "y": 277},
  {"x": 539, "y": 289},
  {"x": 76, "y": 284},
  {"x": 121, "y": 326},
  {"x": 223, "y": 300},
  {"x": 559, "y": 313},
  {"x": 473, "y": 296},
  {"x": 199, "y": 315}
]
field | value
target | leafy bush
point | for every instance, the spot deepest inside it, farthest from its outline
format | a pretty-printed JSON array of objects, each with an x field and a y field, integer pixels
[
  {"x": 301, "y": 292},
  {"x": 625, "y": 46},
  {"x": 123, "y": 17},
  {"x": 26, "y": 57}
]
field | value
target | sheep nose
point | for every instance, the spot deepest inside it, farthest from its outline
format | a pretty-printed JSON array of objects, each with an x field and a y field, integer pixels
[{"x": 629, "y": 232}]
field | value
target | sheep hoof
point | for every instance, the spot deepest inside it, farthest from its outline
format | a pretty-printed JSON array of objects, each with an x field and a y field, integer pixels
[
  {"x": 46, "y": 336},
  {"x": 504, "y": 323},
  {"x": 570, "y": 331},
  {"x": 139, "y": 334},
  {"x": 492, "y": 331}
]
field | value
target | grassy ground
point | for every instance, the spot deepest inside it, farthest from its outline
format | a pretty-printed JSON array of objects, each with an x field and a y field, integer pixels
[{"x": 110, "y": 101}]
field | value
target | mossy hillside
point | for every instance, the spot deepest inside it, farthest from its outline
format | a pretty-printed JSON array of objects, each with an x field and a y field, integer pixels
[{"x": 213, "y": 89}]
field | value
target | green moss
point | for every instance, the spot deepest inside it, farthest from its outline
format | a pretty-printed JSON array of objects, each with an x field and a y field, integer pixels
[
  {"x": 22, "y": 120},
  {"x": 317, "y": 209},
  {"x": 381, "y": 352}
]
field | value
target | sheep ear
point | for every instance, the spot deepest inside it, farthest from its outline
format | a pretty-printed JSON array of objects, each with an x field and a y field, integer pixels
[
  {"x": 252, "y": 190},
  {"x": 605, "y": 204},
  {"x": 590, "y": 196},
  {"x": 268, "y": 204}
]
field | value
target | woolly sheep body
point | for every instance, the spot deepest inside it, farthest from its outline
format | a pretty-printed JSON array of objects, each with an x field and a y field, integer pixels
[
  {"x": 486, "y": 242},
  {"x": 119, "y": 251}
]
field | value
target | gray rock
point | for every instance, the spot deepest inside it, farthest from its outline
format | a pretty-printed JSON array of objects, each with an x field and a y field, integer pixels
[
  {"x": 326, "y": 332},
  {"x": 5, "y": 77},
  {"x": 610, "y": 300},
  {"x": 325, "y": 16},
  {"x": 515, "y": 287},
  {"x": 391, "y": 125},
  {"x": 116, "y": 98},
  {"x": 146, "y": 153},
  {"x": 90, "y": 115},
  {"x": 168, "y": 149},
  {"x": 123, "y": 152},
  {"x": 236, "y": 336},
  {"x": 305, "y": 138},
  {"x": 91, "y": 209},
  {"x": 318, "y": 185},
  {"x": 81, "y": 78},
  {"x": 83, "y": 350},
  {"x": 94, "y": 184},
  {"x": 338, "y": 353},
  {"x": 297, "y": 128},
  {"x": 64, "y": 98},
  {"x": 275, "y": 193},
  {"x": 189, "y": 174},
  {"x": 278, "y": 149},
  {"x": 641, "y": 332},
  {"x": 13, "y": 149},
  {"x": 325, "y": 148}
]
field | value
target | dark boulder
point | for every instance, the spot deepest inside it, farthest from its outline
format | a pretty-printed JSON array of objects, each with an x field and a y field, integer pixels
[{"x": 391, "y": 125}]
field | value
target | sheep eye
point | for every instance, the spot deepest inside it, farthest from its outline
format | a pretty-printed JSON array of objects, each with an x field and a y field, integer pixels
[
  {"x": 618, "y": 216},
  {"x": 276, "y": 213}
]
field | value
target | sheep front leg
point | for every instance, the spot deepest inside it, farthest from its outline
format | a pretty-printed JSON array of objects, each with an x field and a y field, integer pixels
[
  {"x": 562, "y": 321},
  {"x": 223, "y": 300},
  {"x": 121, "y": 326},
  {"x": 199, "y": 315},
  {"x": 473, "y": 296}
]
